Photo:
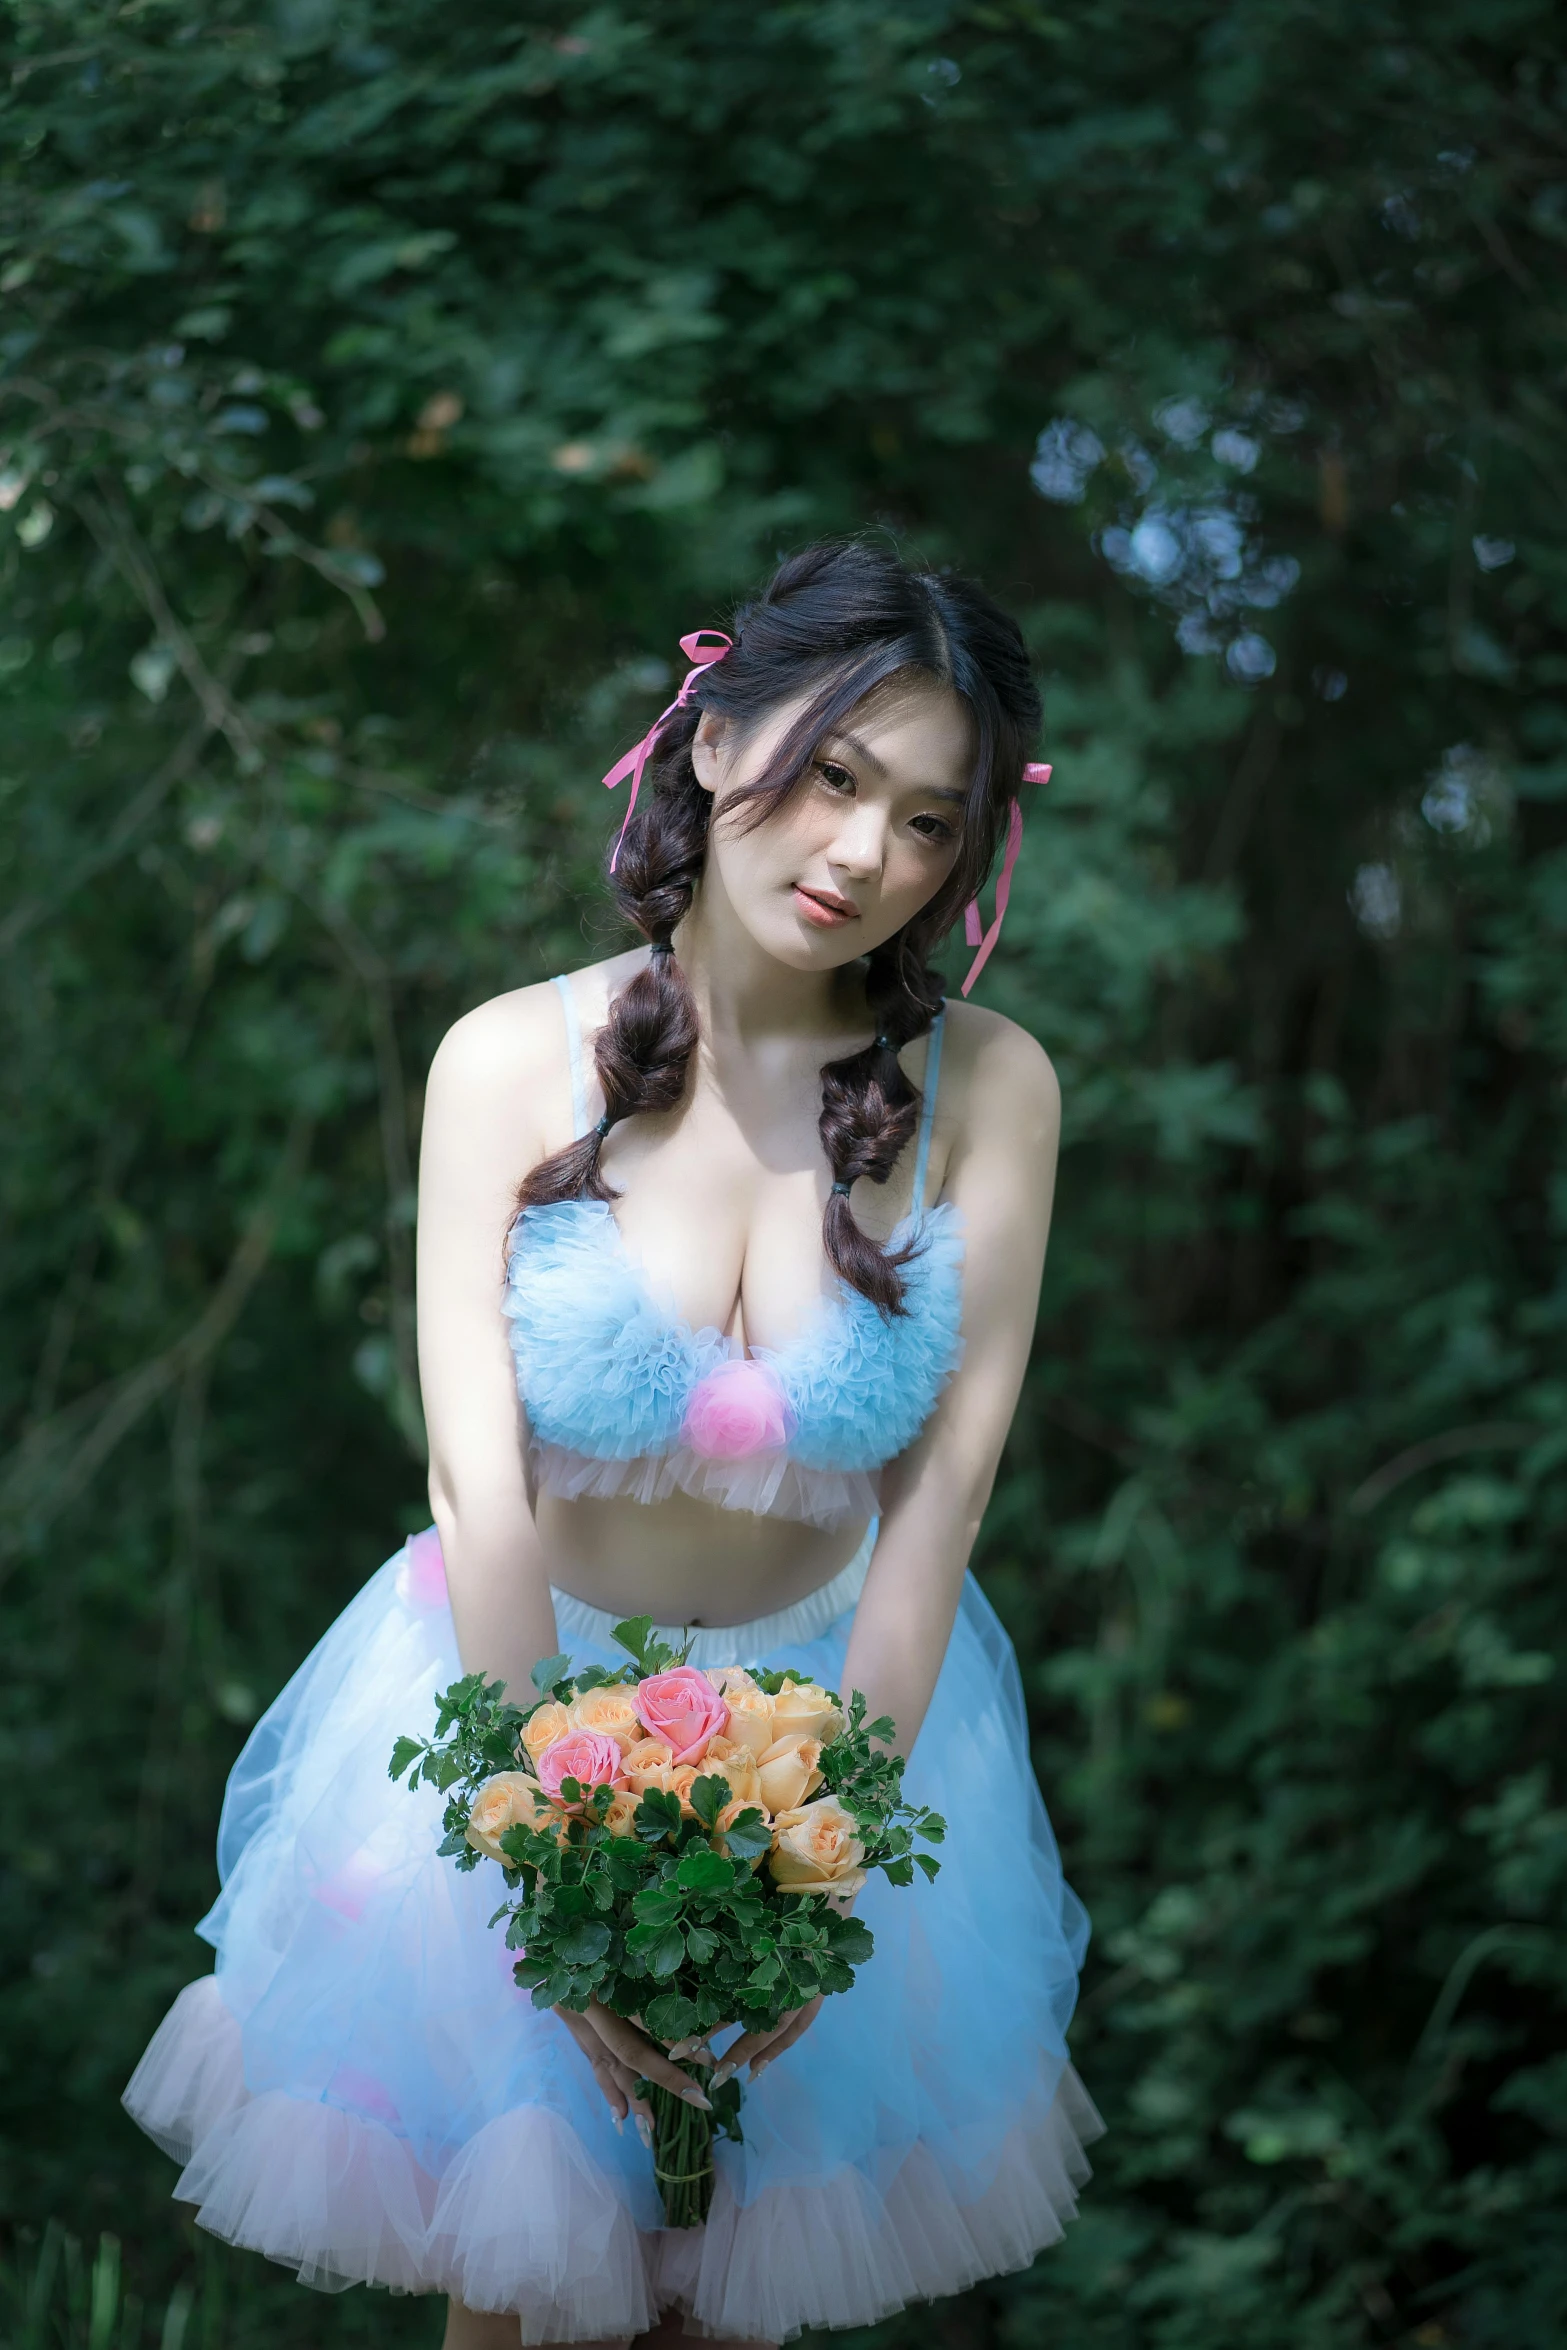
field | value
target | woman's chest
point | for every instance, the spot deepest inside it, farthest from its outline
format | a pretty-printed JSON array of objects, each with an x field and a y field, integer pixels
[{"x": 723, "y": 1219}]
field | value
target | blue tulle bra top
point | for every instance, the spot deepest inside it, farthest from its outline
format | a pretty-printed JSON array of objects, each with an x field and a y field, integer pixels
[{"x": 624, "y": 1398}]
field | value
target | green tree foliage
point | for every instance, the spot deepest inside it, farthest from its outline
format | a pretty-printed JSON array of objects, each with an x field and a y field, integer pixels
[{"x": 383, "y": 387}]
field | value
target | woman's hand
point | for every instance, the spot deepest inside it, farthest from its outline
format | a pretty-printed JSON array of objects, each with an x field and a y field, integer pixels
[
  {"x": 621, "y": 2056},
  {"x": 756, "y": 2049}
]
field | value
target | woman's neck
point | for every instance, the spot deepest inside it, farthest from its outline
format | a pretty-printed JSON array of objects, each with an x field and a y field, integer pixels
[{"x": 745, "y": 994}]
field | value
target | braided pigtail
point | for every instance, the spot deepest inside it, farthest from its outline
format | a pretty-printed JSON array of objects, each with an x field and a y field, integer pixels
[
  {"x": 643, "y": 1051},
  {"x": 869, "y": 1113}
]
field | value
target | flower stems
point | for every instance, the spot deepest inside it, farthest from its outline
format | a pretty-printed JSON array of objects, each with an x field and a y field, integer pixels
[{"x": 682, "y": 2154}]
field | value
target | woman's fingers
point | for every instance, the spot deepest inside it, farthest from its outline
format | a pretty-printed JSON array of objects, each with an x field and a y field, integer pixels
[
  {"x": 758, "y": 2049},
  {"x": 643, "y": 2056}
]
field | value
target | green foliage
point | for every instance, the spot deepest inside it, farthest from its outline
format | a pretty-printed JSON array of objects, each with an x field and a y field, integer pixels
[{"x": 383, "y": 388}]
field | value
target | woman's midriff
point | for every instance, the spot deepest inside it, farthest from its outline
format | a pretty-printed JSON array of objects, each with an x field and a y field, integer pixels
[{"x": 683, "y": 1561}]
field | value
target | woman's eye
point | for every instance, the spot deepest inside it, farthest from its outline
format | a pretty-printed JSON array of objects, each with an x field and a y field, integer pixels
[
  {"x": 934, "y": 828},
  {"x": 835, "y": 777}
]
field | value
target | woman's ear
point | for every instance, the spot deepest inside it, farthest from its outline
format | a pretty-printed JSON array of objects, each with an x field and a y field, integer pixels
[{"x": 707, "y": 746}]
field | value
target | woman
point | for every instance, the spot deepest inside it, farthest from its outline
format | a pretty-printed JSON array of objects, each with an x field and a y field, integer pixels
[{"x": 770, "y": 1284}]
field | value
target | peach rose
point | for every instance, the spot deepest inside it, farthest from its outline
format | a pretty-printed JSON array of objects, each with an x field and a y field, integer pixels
[
  {"x": 727, "y": 1677},
  {"x": 735, "y": 1764},
  {"x": 583, "y": 1755},
  {"x": 611, "y": 1712},
  {"x": 650, "y": 1763},
  {"x": 510, "y": 1800},
  {"x": 788, "y": 1773},
  {"x": 683, "y": 1708},
  {"x": 816, "y": 1849},
  {"x": 543, "y": 1727},
  {"x": 621, "y": 1817},
  {"x": 807, "y": 1708},
  {"x": 682, "y": 1779},
  {"x": 750, "y": 1708}
]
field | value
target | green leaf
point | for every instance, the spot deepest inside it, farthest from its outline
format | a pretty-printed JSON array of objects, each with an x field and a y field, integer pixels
[
  {"x": 704, "y": 1871},
  {"x": 403, "y": 1754},
  {"x": 708, "y": 1797},
  {"x": 667, "y": 1951},
  {"x": 548, "y": 1671},
  {"x": 932, "y": 1827},
  {"x": 584, "y": 1943},
  {"x": 932, "y": 1868},
  {"x": 634, "y": 1634},
  {"x": 851, "y": 1940},
  {"x": 701, "y": 1942},
  {"x": 657, "y": 1816},
  {"x": 748, "y": 1835},
  {"x": 670, "y": 2016}
]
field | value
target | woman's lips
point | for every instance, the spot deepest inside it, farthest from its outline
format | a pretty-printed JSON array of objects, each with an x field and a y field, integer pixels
[{"x": 827, "y": 912}]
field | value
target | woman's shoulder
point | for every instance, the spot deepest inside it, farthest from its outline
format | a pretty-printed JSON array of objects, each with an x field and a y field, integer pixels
[
  {"x": 521, "y": 1034},
  {"x": 511, "y": 1036},
  {"x": 995, "y": 1075}
]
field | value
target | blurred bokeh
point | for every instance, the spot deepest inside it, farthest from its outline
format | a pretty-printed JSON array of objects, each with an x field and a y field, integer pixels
[{"x": 384, "y": 387}]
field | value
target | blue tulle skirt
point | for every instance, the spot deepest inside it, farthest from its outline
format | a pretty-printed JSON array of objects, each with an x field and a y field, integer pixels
[{"x": 361, "y": 2091}]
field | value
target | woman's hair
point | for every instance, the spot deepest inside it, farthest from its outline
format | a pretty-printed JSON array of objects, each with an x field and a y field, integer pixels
[{"x": 835, "y": 622}]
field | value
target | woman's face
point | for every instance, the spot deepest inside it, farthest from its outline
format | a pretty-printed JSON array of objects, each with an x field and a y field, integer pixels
[{"x": 866, "y": 839}]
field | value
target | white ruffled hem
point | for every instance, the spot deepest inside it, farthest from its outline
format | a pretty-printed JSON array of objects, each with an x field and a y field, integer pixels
[
  {"x": 768, "y": 1484},
  {"x": 524, "y": 2222}
]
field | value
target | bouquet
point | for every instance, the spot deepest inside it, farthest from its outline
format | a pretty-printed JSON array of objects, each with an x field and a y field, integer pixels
[{"x": 680, "y": 1846}]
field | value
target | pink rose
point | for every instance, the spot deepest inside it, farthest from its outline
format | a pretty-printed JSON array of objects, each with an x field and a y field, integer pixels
[
  {"x": 683, "y": 1709},
  {"x": 584, "y": 1755},
  {"x": 736, "y": 1410}
]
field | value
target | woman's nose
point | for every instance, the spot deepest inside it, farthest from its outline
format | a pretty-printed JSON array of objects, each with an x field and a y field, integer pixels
[{"x": 861, "y": 844}]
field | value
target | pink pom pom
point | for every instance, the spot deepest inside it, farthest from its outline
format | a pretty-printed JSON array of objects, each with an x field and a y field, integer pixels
[
  {"x": 738, "y": 1409},
  {"x": 422, "y": 1582}
]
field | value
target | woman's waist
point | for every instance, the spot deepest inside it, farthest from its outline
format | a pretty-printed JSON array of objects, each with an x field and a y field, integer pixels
[{"x": 725, "y": 1597}]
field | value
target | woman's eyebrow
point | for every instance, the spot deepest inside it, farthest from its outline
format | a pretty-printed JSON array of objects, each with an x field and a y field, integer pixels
[{"x": 862, "y": 750}]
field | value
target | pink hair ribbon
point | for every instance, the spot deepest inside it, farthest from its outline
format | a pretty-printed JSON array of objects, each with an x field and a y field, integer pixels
[
  {"x": 973, "y": 930},
  {"x": 701, "y": 656}
]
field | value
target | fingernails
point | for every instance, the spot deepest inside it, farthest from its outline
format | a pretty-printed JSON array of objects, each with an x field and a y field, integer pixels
[
  {"x": 619, "y": 2121},
  {"x": 725, "y": 2072},
  {"x": 644, "y": 2129},
  {"x": 695, "y": 2097},
  {"x": 759, "y": 2067}
]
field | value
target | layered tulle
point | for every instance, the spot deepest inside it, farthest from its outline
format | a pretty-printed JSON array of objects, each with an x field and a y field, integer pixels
[
  {"x": 361, "y": 2092},
  {"x": 609, "y": 1376},
  {"x": 767, "y": 1484}
]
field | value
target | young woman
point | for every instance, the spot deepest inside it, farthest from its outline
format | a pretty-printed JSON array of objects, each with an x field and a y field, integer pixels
[{"x": 769, "y": 1289}]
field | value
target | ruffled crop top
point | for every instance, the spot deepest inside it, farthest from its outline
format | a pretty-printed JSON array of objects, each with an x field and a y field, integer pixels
[{"x": 625, "y": 1398}]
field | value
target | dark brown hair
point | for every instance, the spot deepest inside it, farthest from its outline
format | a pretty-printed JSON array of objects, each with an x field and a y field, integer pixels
[{"x": 836, "y": 622}]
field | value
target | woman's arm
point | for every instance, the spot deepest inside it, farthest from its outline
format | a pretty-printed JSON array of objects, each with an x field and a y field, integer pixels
[
  {"x": 1001, "y": 1177},
  {"x": 484, "y": 1126}
]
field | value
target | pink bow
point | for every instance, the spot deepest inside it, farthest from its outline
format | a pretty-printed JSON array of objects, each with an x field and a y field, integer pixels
[
  {"x": 972, "y": 930},
  {"x": 702, "y": 657}
]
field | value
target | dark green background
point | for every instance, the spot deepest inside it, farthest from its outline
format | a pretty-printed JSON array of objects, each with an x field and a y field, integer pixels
[{"x": 383, "y": 388}]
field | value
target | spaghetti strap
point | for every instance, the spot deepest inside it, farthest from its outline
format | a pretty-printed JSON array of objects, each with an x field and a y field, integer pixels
[
  {"x": 579, "y": 1108},
  {"x": 927, "y": 1113}
]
